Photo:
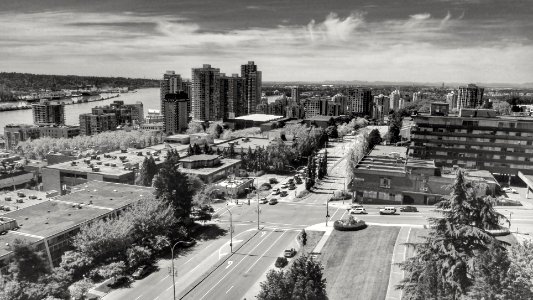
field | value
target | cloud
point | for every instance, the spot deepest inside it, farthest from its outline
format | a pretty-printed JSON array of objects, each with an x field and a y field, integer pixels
[{"x": 415, "y": 47}]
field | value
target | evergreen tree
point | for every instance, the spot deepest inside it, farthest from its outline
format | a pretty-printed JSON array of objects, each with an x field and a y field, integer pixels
[
  {"x": 190, "y": 150},
  {"x": 206, "y": 148},
  {"x": 147, "y": 171}
]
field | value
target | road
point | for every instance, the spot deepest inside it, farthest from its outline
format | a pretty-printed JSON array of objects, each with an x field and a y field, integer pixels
[{"x": 210, "y": 271}]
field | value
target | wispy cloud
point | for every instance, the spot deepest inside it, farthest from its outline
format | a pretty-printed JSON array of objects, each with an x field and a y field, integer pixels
[{"x": 419, "y": 46}]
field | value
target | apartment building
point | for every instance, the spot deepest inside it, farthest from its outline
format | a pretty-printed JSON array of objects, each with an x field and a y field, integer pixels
[{"x": 476, "y": 139}]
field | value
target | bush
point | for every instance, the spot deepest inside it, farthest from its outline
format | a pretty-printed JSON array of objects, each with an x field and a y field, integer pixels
[
  {"x": 273, "y": 181},
  {"x": 352, "y": 224},
  {"x": 281, "y": 262},
  {"x": 265, "y": 186},
  {"x": 302, "y": 194}
]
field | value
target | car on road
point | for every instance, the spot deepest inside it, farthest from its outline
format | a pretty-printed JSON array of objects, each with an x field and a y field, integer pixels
[
  {"x": 408, "y": 209},
  {"x": 388, "y": 210},
  {"x": 356, "y": 205},
  {"x": 263, "y": 200},
  {"x": 509, "y": 190},
  {"x": 289, "y": 252},
  {"x": 141, "y": 272},
  {"x": 358, "y": 210},
  {"x": 273, "y": 201},
  {"x": 283, "y": 194}
]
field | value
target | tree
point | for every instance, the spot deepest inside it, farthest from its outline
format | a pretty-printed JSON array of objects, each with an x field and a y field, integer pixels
[
  {"x": 26, "y": 263},
  {"x": 79, "y": 289},
  {"x": 194, "y": 127},
  {"x": 147, "y": 171},
  {"x": 205, "y": 213},
  {"x": 172, "y": 187},
  {"x": 374, "y": 138},
  {"x": 138, "y": 255},
  {"x": 304, "y": 280},
  {"x": 303, "y": 237},
  {"x": 332, "y": 132},
  {"x": 443, "y": 264},
  {"x": 111, "y": 270},
  {"x": 502, "y": 107}
]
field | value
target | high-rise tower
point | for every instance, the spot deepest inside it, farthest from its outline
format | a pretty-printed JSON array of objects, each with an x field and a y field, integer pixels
[
  {"x": 470, "y": 96},
  {"x": 170, "y": 84},
  {"x": 252, "y": 79},
  {"x": 206, "y": 102}
]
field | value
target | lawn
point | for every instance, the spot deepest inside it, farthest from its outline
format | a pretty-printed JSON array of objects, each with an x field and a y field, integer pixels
[{"x": 357, "y": 263}]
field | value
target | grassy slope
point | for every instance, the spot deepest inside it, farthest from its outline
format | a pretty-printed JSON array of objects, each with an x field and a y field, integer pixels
[{"x": 357, "y": 263}]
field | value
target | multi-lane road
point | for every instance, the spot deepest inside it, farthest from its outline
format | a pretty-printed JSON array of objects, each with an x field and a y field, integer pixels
[{"x": 211, "y": 271}]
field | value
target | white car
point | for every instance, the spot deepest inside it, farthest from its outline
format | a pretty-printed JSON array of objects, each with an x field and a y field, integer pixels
[
  {"x": 388, "y": 210},
  {"x": 358, "y": 210},
  {"x": 509, "y": 190}
]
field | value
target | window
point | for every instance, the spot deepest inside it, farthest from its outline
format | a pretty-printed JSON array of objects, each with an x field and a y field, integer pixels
[{"x": 384, "y": 182}]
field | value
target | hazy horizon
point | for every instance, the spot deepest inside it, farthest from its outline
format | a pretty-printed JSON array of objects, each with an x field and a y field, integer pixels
[{"x": 309, "y": 41}]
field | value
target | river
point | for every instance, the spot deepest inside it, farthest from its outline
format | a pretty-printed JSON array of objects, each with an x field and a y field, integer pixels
[{"x": 149, "y": 97}]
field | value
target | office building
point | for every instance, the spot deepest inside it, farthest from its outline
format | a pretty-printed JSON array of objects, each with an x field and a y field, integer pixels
[
  {"x": 253, "y": 82},
  {"x": 342, "y": 100},
  {"x": 451, "y": 99},
  {"x": 295, "y": 94},
  {"x": 387, "y": 176},
  {"x": 170, "y": 84},
  {"x": 97, "y": 122},
  {"x": 477, "y": 138},
  {"x": 48, "y": 113},
  {"x": 22, "y": 132},
  {"x": 381, "y": 108},
  {"x": 176, "y": 116},
  {"x": 50, "y": 225},
  {"x": 209, "y": 168},
  {"x": 359, "y": 100},
  {"x": 206, "y": 104},
  {"x": 186, "y": 86},
  {"x": 154, "y": 116},
  {"x": 394, "y": 100},
  {"x": 470, "y": 96},
  {"x": 126, "y": 114}
]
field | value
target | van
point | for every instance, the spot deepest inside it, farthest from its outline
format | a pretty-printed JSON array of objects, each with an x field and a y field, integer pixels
[{"x": 389, "y": 210}]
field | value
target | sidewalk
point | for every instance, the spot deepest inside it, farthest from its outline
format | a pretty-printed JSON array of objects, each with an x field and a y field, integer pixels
[{"x": 398, "y": 256}]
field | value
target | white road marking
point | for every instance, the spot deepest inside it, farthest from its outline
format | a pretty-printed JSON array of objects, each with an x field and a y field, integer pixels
[
  {"x": 162, "y": 279},
  {"x": 229, "y": 263},
  {"x": 334, "y": 214},
  {"x": 229, "y": 272},
  {"x": 343, "y": 215},
  {"x": 265, "y": 252},
  {"x": 229, "y": 289}
]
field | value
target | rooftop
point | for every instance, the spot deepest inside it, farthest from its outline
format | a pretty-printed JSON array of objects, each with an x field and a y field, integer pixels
[
  {"x": 320, "y": 118},
  {"x": 13, "y": 205},
  {"x": 389, "y": 151},
  {"x": 259, "y": 117},
  {"x": 224, "y": 163},
  {"x": 9, "y": 239},
  {"x": 199, "y": 157},
  {"x": 106, "y": 195},
  {"x": 247, "y": 142},
  {"x": 52, "y": 217},
  {"x": 389, "y": 159}
]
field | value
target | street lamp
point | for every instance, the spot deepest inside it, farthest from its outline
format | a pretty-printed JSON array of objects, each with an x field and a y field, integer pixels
[
  {"x": 230, "y": 230},
  {"x": 257, "y": 191},
  {"x": 173, "y": 273},
  {"x": 327, "y": 211}
]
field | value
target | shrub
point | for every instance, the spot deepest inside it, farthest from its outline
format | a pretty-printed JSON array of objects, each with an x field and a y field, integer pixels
[
  {"x": 351, "y": 224},
  {"x": 281, "y": 262},
  {"x": 302, "y": 194},
  {"x": 265, "y": 186},
  {"x": 273, "y": 181}
]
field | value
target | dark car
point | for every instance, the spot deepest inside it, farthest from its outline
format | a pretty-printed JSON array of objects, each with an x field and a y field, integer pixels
[
  {"x": 273, "y": 201},
  {"x": 408, "y": 209},
  {"x": 119, "y": 281},
  {"x": 292, "y": 187},
  {"x": 141, "y": 272},
  {"x": 289, "y": 252},
  {"x": 284, "y": 194},
  {"x": 187, "y": 244}
]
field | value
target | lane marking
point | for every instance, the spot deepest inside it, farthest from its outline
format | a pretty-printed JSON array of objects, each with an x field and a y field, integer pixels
[
  {"x": 229, "y": 272},
  {"x": 230, "y": 262},
  {"x": 229, "y": 289},
  {"x": 262, "y": 255},
  {"x": 343, "y": 215},
  {"x": 163, "y": 279}
]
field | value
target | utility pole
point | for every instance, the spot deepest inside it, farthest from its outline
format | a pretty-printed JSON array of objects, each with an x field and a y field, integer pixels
[
  {"x": 173, "y": 273},
  {"x": 230, "y": 230}
]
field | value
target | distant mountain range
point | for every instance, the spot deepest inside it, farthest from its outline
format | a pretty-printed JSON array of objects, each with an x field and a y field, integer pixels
[{"x": 527, "y": 85}]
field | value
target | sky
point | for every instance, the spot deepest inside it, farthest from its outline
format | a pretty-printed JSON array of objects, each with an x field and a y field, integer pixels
[{"x": 290, "y": 40}]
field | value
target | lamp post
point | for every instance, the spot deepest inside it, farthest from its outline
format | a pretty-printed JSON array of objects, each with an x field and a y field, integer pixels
[
  {"x": 257, "y": 191},
  {"x": 327, "y": 211},
  {"x": 173, "y": 273},
  {"x": 230, "y": 230}
]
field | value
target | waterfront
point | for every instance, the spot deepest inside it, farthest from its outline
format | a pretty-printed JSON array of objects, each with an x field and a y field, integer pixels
[{"x": 149, "y": 98}]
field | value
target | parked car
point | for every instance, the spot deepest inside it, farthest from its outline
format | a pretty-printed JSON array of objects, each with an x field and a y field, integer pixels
[
  {"x": 389, "y": 210},
  {"x": 187, "y": 244},
  {"x": 119, "y": 281},
  {"x": 32, "y": 197},
  {"x": 263, "y": 200},
  {"x": 509, "y": 190},
  {"x": 292, "y": 187},
  {"x": 284, "y": 186},
  {"x": 408, "y": 209},
  {"x": 358, "y": 210},
  {"x": 141, "y": 272},
  {"x": 298, "y": 180},
  {"x": 290, "y": 181},
  {"x": 289, "y": 252},
  {"x": 273, "y": 201},
  {"x": 283, "y": 194},
  {"x": 275, "y": 192},
  {"x": 356, "y": 205},
  {"x": 21, "y": 194}
]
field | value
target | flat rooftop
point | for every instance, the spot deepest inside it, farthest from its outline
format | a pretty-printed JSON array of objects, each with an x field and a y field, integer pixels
[
  {"x": 259, "y": 117},
  {"x": 224, "y": 163},
  {"x": 132, "y": 157},
  {"x": 106, "y": 195},
  {"x": 9, "y": 239},
  {"x": 26, "y": 201},
  {"x": 199, "y": 157},
  {"x": 245, "y": 143},
  {"x": 52, "y": 217},
  {"x": 389, "y": 159},
  {"x": 389, "y": 151}
]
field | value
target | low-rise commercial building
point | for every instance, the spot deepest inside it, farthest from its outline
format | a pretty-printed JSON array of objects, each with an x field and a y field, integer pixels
[
  {"x": 50, "y": 225},
  {"x": 387, "y": 176}
]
